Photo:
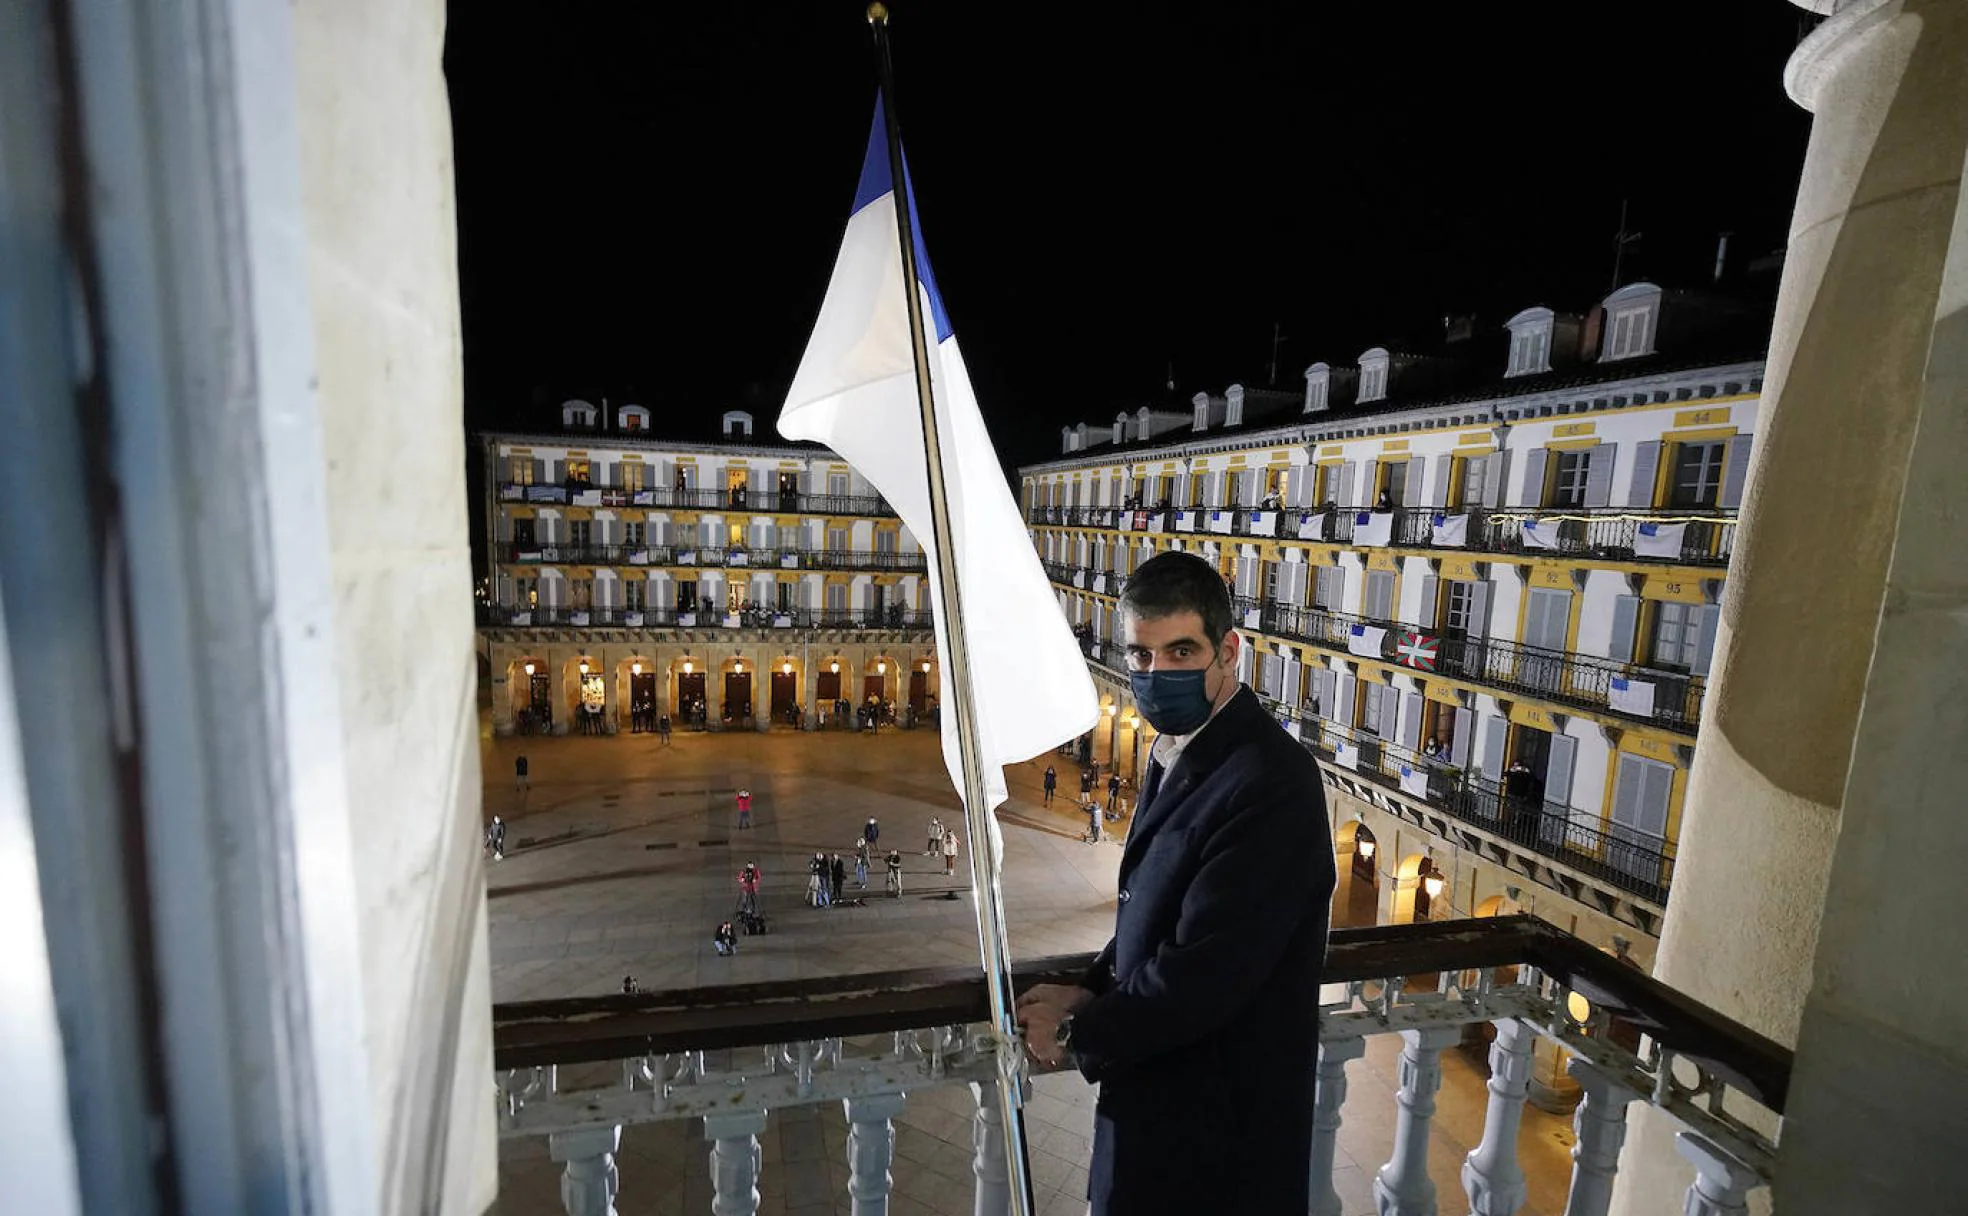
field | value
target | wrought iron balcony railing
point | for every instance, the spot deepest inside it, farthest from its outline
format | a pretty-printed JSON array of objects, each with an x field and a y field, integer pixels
[
  {"x": 775, "y": 502},
  {"x": 615, "y": 616},
  {"x": 1639, "y": 863},
  {"x": 581, "y": 1069},
  {"x": 698, "y": 556},
  {"x": 1673, "y": 536},
  {"x": 1626, "y": 690}
]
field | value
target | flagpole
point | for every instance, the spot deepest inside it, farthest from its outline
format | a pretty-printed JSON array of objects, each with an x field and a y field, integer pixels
[{"x": 993, "y": 944}]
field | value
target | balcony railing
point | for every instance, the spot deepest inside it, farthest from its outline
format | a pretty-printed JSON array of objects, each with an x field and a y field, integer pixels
[
  {"x": 697, "y": 556},
  {"x": 1672, "y": 536},
  {"x": 1639, "y": 863},
  {"x": 614, "y": 616},
  {"x": 580, "y": 1070},
  {"x": 776, "y": 502},
  {"x": 1643, "y": 694}
]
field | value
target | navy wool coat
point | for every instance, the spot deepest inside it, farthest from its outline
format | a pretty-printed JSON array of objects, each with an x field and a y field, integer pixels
[{"x": 1203, "y": 1030}]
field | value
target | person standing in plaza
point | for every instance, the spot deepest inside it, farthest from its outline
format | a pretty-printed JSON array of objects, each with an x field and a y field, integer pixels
[
  {"x": 1199, "y": 1019},
  {"x": 744, "y": 809},
  {"x": 748, "y": 891},
  {"x": 495, "y": 838},
  {"x": 1093, "y": 823},
  {"x": 871, "y": 833},
  {"x": 861, "y": 863},
  {"x": 894, "y": 874},
  {"x": 1086, "y": 784},
  {"x": 1051, "y": 783},
  {"x": 521, "y": 783},
  {"x": 838, "y": 872},
  {"x": 935, "y": 837},
  {"x": 663, "y": 728},
  {"x": 1113, "y": 790},
  {"x": 949, "y": 852}
]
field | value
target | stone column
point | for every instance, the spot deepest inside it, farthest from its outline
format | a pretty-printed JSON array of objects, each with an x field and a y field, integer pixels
[
  {"x": 1490, "y": 1174},
  {"x": 589, "y": 1184},
  {"x": 734, "y": 1161},
  {"x": 870, "y": 1150},
  {"x": 993, "y": 1194},
  {"x": 1601, "y": 1127},
  {"x": 1333, "y": 1059},
  {"x": 1860, "y": 321},
  {"x": 1722, "y": 1184},
  {"x": 1403, "y": 1187},
  {"x": 562, "y": 679}
]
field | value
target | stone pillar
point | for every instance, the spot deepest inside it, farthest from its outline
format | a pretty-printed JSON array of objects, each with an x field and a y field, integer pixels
[
  {"x": 1333, "y": 1059},
  {"x": 562, "y": 677},
  {"x": 734, "y": 1161},
  {"x": 589, "y": 1184},
  {"x": 993, "y": 1194},
  {"x": 1601, "y": 1127},
  {"x": 1490, "y": 1174},
  {"x": 1403, "y": 1187},
  {"x": 1722, "y": 1184},
  {"x": 1856, "y": 330},
  {"x": 871, "y": 1150}
]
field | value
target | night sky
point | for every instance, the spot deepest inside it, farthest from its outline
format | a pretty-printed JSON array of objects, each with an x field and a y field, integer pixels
[{"x": 650, "y": 197}]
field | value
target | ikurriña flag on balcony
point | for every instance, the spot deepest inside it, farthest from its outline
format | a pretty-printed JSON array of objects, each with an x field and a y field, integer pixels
[{"x": 855, "y": 392}]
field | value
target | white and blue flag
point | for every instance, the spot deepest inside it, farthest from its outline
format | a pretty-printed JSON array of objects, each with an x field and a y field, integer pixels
[{"x": 855, "y": 392}]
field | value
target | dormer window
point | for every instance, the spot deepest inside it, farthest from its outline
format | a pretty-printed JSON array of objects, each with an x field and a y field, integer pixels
[
  {"x": 1632, "y": 317},
  {"x": 1201, "y": 402},
  {"x": 632, "y": 418},
  {"x": 1080, "y": 437},
  {"x": 1530, "y": 342},
  {"x": 1373, "y": 375},
  {"x": 578, "y": 415},
  {"x": 737, "y": 424},
  {"x": 1120, "y": 429},
  {"x": 1234, "y": 410},
  {"x": 1318, "y": 386}
]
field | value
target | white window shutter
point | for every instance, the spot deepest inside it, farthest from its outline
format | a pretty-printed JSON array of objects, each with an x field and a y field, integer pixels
[
  {"x": 1737, "y": 472},
  {"x": 1431, "y": 592},
  {"x": 1530, "y": 492},
  {"x": 1626, "y": 617},
  {"x": 1495, "y": 731},
  {"x": 1599, "y": 475},
  {"x": 1347, "y": 473},
  {"x": 1707, "y": 619},
  {"x": 1411, "y": 482},
  {"x": 1465, "y": 726},
  {"x": 1646, "y": 468},
  {"x": 1444, "y": 469},
  {"x": 1558, "y": 767},
  {"x": 1411, "y": 705}
]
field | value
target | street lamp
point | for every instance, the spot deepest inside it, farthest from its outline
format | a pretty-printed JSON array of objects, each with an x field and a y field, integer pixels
[
  {"x": 687, "y": 666},
  {"x": 834, "y": 668},
  {"x": 738, "y": 667},
  {"x": 584, "y": 667},
  {"x": 1132, "y": 721},
  {"x": 529, "y": 669},
  {"x": 786, "y": 668},
  {"x": 925, "y": 666},
  {"x": 881, "y": 668},
  {"x": 1432, "y": 882},
  {"x": 1365, "y": 848},
  {"x": 1112, "y": 709},
  {"x": 635, "y": 669}
]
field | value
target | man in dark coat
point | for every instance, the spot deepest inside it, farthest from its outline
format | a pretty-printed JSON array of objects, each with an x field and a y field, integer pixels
[{"x": 1199, "y": 1021}]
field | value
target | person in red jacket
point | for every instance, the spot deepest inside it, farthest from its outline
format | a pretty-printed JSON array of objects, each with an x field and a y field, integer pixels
[{"x": 744, "y": 809}]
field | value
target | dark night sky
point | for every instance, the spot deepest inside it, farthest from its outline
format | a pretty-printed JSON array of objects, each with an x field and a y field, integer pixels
[{"x": 651, "y": 196}]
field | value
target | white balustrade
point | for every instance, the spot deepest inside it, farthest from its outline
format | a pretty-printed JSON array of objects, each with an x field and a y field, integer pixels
[
  {"x": 734, "y": 1161},
  {"x": 871, "y": 1150},
  {"x": 1490, "y": 1174},
  {"x": 589, "y": 1183},
  {"x": 993, "y": 1196},
  {"x": 1403, "y": 1187},
  {"x": 1601, "y": 1127},
  {"x": 1722, "y": 1183},
  {"x": 1334, "y": 1055}
]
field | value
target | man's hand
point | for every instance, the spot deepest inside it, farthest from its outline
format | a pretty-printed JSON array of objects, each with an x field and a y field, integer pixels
[{"x": 1040, "y": 1011}]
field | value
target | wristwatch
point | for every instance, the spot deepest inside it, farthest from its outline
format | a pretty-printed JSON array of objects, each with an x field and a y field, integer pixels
[{"x": 1064, "y": 1035}]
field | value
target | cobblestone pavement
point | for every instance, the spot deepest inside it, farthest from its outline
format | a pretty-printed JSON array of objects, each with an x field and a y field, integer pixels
[{"x": 622, "y": 858}]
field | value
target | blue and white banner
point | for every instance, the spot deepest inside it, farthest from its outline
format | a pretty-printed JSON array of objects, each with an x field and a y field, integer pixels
[
  {"x": 1450, "y": 532},
  {"x": 1414, "y": 781},
  {"x": 1659, "y": 540},
  {"x": 579, "y": 617},
  {"x": 632, "y": 619},
  {"x": 521, "y": 618},
  {"x": 1264, "y": 523},
  {"x": 1373, "y": 527},
  {"x": 643, "y": 498},
  {"x": 1253, "y": 618},
  {"x": 1366, "y": 640},
  {"x": 1631, "y": 696},
  {"x": 545, "y": 494},
  {"x": 855, "y": 392},
  {"x": 1311, "y": 527},
  {"x": 639, "y": 557},
  {"x": 1185, "y": 521},
  {"x": 687, "y": 620},
  {"x": 1540, "y": 534},
  {"x": 587, "y": 498},
  {"x": 1345, "y": 755}
]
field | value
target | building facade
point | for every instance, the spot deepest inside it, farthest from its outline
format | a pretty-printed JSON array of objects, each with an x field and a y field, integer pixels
[
  {"x": 728, "y": 583},
  {"x": 1486, "y": 598}
]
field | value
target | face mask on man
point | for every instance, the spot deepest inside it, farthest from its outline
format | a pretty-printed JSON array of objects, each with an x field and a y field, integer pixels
[{"x": 1174, "y": 702}]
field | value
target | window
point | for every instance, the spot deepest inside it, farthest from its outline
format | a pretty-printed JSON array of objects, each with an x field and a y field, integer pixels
[
  {"x": 836, "y": 597},
  {"x": 1640, "y": 797},
  {"x": 837, "y": 540},
  {"x": 1569, "y": 478},
  {"x": 1370, "y": 705},
  {"x": 1698, "y": 473},
  {"x": 734, "y": 536},
  {"x": 1630, "y": 333},
  {"x": 885, "y": 541},
  {"x": 1377, "y": 601},
  {"x": 837, "y": 484},
  {"x": 632, "y": 535},
  {"x": 580, "y": 472},
  {"x": 1390, "y": 482},
  {"x": 580, "y": 593},
  {"x": 686, "y": 477},
  {"x": 1459, "y": 610},
  {"x": 579, "y": 531},
  {"x": 1475, "y": 480},
  {"x": 526, "y": 592},
  {"x": 1677, "y": 636},
  {"x": 635, "y": 476},
  {"x": 1271, "y": 580},
  {"x": 520, "y": 469},
  {"x": 737, "y": 425},
  {"x": 686, "y": 535},
  {"x": 632, "y": 594},
  {"x": 1331, "y": 585}
]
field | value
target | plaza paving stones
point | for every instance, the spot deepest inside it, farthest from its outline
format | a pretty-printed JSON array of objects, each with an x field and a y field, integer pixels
[{"x": 622, "y": 859}]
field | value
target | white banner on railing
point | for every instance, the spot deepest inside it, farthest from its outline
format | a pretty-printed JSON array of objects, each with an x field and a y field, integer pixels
[
  {"x": 1253, "y": 618},
  {"x": 1264, "y": 523},
  {"x": 632, "y": 619},
  {"x": 639, "y": 558},
  {"x": 577, "y": 618},
  {"x": 1451, "y": 531},
  {"x": 1344, "y": 755},
  {"x": 1414, "y": 781},
  {"x": 587, "y": 498},
  {"x": 522, "y": 618},
  {"x": 643, "y": 498},
  {"x": 1539, "y": 534},
  {"x": 1311, "y": 527},
  {"x": 1185, "y": 521},
  {"x": 1630, "y": 696},
  {"x": 1659, "y": 540},
  {"x": 1373, "y": 527},
  {"x": 1365, "y": 640}
]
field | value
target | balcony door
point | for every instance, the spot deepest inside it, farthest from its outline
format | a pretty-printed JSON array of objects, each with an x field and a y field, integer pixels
[
  {"x": 522, "y": 535},
  {"x": 1641, "y": 791},
  {"x": 1547, "y": 628}
]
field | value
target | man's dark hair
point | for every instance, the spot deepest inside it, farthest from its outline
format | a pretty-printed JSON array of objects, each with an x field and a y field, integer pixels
[{"x": 1173, "y": 582}]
